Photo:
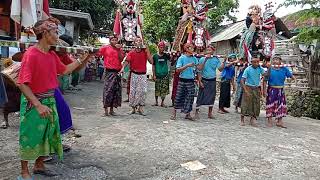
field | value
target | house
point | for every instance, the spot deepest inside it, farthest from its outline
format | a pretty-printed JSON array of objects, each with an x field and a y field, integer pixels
[
  {"x": 72, "y": 22},
  {"x": 228, "y": 40}
]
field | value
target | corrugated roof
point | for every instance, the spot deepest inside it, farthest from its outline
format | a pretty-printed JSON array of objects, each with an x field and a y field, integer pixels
[{"x": 229, "y": 33}]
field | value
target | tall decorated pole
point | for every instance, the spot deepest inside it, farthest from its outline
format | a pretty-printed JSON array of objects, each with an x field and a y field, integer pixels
[{"x": 191, "y": 27}]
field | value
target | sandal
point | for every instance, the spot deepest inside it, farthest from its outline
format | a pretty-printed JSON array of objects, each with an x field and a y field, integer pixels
[
  {"x": 45, "y": 172},
  {"x": 189, "y": 118},
  {"x": 155, "y": 105}
]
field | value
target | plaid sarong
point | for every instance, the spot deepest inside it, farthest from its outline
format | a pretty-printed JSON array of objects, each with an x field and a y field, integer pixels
[{"x": 185, "y": 96}]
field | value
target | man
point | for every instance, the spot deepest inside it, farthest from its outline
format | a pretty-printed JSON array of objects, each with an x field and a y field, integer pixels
[
  {"x": 112, "y": 92},
  {"x": 187, "y": 67},
  {"x": 137, "y": 58},
  {"x": 161, "y": 74},
  {"x": 207, "y": 82},
  {"x": 227, "y": 75},
  {"x": 39, "y": 123},
  {"x": 250, "y": 104}
]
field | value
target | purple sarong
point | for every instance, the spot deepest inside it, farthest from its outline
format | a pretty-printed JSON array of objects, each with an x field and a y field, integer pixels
[{"x": 63, "y": 109}]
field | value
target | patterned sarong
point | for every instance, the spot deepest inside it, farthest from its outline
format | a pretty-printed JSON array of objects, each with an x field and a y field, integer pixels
[
  {"x": 185, "y": 96},
  {"x": 39, "y": 136},
  {"x": 207, "y": 94},
  {"x": 65, "y": 119},
  {"x": 238, "y": 95},
  {"x": 162, "y": 87},
  {"x": 276, "y": 103},
  {"x": 225, "y": 94},
  {"x": 138, "y": 90},
  {"x": 112, "y": 92},
  {"x": 250, "y": 105},
  {"x": 64, "y": 82}
]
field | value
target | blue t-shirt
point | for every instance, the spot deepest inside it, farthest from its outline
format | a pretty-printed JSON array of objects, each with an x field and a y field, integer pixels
[
  {"x": 190, "y": 72},
  {"x": 209, "y": 70},
  {"x": 228, "y": 72},
  {"x": 278, "y": 76},
  {"x": 253, "y": 75}
]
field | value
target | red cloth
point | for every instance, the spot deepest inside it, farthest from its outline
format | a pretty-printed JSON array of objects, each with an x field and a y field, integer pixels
[
  {"x": 175, "y": 85},
  {"x": 137, "y": 61},
  {"x": 65, "y": 59},
  {"x": 39, "y": 70},
  {"x": 46, "y": 7},
  {"x": 111, "y": 57}
]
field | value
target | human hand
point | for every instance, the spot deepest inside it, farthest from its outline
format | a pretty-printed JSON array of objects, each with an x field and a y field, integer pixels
[
  {"x": 201, "y": 84},
  {"x": 43, "y": 110},
  {"x": 190, "y": 65}
]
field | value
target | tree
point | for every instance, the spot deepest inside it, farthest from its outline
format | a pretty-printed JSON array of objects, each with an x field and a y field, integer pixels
[
  {"x": 161, "y": 16},
  {"x": 307, "y": 34},
  {"x": 101, "y": 11}
]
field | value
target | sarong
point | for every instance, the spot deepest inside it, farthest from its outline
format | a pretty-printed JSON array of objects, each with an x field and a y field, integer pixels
[
  {"x": 3, "y": 92},
  {"x": 250, "y": 105},
  {"x": 225, "y": 94},
  {"x": 162, "y": 87},
  {"x": 65, "y": 119},
  {"x": 175, "y": 85},
  {"x": 238, "y": 95},
  {"x": 128, "y": 82},
  {"x": 39, "y": 136},
  {"x": 112, "y": 91},
  {"x": 64, "y": 82},
  {"x": 138, "y": 90},
  {"x": 207, "y": 94},
  {"x": 185, "y": 96},
  {"x": 75, "y": 79},
  {"x": 276, "y": 103}
]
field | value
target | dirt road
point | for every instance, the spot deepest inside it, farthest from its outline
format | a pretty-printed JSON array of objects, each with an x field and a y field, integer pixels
[{"x": 137, "y": 147}]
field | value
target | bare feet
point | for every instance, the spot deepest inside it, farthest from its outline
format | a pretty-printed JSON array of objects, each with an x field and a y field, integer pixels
[
  {"x": 163, "y": 105},
  {"x": 188, "y": 116},
  {"x": 156, "y": 104},
  {"x": 173, "y": 118},
  {"x": 196, "y": 116},
  {"x": 105, "y": 115},
  {"x": 253, "y": 123},
  {"x": 112, "y": 113},
  {"x": 221, "y": 111},
  {"x": 242, "y": 123},
  {"x": 210, "y": 116},
  {"x": 280, "y": 125},
  {"x": 133, "y": 111},
  {"x": 4, "y": 125}
]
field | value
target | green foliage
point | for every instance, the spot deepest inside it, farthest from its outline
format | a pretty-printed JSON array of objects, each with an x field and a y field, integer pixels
[
  {"x": 101, "y": 11},
  {"x": 307, "y": 34},
  {"x": 221, "y": 10},
  {"x": 161, "y": 17}
]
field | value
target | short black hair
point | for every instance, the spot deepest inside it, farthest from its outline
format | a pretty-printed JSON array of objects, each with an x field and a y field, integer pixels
[
  {"x": 256, "y": 54},
  {"x": 66, "y": 38}
]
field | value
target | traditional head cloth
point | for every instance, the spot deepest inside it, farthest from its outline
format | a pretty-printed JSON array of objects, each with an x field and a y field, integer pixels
[
  {"x": 232, "y": 55},
  {"x": 114, "y": 35},
  {"x": 187, "y": 45},
  {"x": 211, "y": 48},
  {"x": 45, "y": 25},
  {"x": 161, "y": 44}
]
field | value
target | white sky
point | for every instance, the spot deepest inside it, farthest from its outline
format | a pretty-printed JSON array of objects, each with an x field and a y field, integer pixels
[{"x": 244, "y": 5}]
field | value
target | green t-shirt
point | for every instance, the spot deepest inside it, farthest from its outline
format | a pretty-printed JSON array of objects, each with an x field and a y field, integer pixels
[{"x": 161, "y": 65}]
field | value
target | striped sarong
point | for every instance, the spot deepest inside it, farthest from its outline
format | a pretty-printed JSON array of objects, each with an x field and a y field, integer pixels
[{"x": 185, "y": 95}]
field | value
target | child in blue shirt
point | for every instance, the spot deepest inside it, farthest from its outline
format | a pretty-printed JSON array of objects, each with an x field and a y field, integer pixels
[
  {"x": 276, "y": 105},
  {"x": 187, "y": 66},
  {"x": 251, "y": 79},
  {"x": 227, "y": 79}
]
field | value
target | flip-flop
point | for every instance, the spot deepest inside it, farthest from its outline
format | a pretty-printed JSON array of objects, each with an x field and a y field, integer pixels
[
  {"x": 21, "y": 178},
  {"x": 46, "y": 172},
  {"x": 164, "y": 106},
  {"x": 189, "y": 118},
  {"x": 154, "y": 105}
]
